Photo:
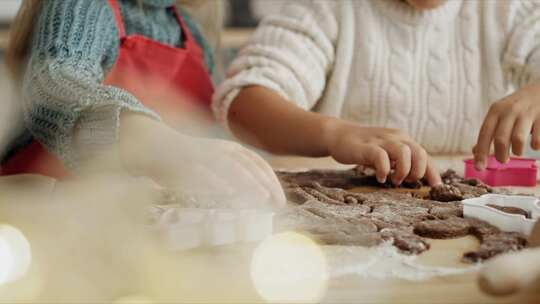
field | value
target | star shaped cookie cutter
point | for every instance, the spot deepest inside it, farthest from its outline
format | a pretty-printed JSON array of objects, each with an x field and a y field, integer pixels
[{"x": 478, "y": 208}]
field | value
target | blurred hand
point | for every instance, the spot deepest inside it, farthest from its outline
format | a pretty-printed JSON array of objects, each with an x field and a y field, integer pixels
[
  {"x": 384, "y": 150},
  {"x": 508, "y": 124},
  {"x": 214, "y": 172},
  {"x": 510, "y": 273}
]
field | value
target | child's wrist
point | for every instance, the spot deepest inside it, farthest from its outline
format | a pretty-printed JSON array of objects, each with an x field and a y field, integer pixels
[
  {"x": 329, "y": 127},
  {"x": 141, "y": 141}
]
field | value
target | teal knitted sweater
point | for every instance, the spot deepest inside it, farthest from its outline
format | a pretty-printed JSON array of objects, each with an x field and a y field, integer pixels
[{"x": 74, "y": 44}]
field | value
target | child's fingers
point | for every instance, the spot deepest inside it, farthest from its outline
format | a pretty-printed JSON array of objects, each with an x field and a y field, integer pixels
[
  {"x": 244, "y": 176},
  {"x": 371, "y": 155},
  {"x": 375, "y": 156},
  {"x": 240, "y": 173},
  {"x": 520, "y": 133},
  {"x": 400, "y": 153},
  {"x": 432, "y": 176},
  {"x": 190, "y": 185},
  {"x": 503, "y": 134},
  {"x": 485, "y": 136},
  {"x": 419, "y": 159},
  {"x": 381, "y": 161},
  {"x": 266, "y": 175},
  {"x": 535, "y": 137}
]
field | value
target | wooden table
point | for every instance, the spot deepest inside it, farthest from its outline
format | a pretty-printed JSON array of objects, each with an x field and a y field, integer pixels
[
  {"x": 448, "y": 289},
  {"x": 221, "y": 275}
]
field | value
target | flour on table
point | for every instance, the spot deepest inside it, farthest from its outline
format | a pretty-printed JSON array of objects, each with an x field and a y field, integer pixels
[{"x": 384, "y": 262}]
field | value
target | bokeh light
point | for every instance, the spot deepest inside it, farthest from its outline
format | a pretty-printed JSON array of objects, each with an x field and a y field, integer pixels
[
  {"x": 289, "y": 267},
  {"x": 15, "y": 254}
]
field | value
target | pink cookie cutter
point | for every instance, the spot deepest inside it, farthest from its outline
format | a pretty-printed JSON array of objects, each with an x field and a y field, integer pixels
[{"x": 517, "y": 172}]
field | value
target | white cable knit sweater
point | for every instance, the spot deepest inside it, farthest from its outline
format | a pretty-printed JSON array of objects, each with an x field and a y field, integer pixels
[{"x": 381, "y": 63}]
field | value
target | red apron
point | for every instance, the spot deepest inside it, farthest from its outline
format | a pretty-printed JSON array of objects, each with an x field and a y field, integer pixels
[{"x": 166, "y": 79}]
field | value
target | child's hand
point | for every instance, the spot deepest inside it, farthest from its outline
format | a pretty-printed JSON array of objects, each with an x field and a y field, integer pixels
[
  {"x": 382, "y": 149},
  {"x": 513, "y": 272},
  {"x": 225, "y": 172},
  {"x": 211, "y": 171},
  {"x": 509, "y": 123}
]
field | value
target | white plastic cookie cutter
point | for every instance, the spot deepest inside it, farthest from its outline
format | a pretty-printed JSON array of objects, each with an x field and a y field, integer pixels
[
  {"x": 188, "y": 228},
  {"x": 476, "y": 207}
]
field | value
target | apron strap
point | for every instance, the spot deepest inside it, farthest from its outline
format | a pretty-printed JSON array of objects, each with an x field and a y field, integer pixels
[
  {"x": 118, "y": 18},
  {"x": 189, "y": 41}
]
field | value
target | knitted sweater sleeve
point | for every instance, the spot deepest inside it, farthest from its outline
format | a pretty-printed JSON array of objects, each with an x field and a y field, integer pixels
[
  {"x": 291, "y": 53},
  {"x": 66, "y": 106},
  {"x": 521, "y": 60}
]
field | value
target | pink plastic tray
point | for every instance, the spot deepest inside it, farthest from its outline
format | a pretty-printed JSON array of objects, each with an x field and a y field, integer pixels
[{"x": 517, "y": 172}]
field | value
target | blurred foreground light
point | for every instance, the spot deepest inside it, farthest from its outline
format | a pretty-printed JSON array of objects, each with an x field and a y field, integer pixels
[
  {"x": 134, "y": 299},
  {"x": 15, "y": 254},
  {"x": 289, "y": 267}
]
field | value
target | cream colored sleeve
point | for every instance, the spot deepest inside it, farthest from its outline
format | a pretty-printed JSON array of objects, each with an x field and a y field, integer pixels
[
  {"x": 521, "y": 60},
  {"x": 291, "y": 53}
]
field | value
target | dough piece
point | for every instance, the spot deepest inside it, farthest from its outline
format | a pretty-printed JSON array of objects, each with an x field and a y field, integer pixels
[
  {"x": 450, "y": 210},
  {"x": 389, "y": 219},
  {"x": 481, "y": 229},
  {"x": 405, "y": 241},
  {"x": 384, "y": 197},
  {"x": 468, "y": 191},
  {"x": 339, "y": 194},
  {"x": 334, "y": 215},
  {"x": 344, "y": 227},
  {"x": 333, "y": 193},
  {"x": 298, "y": 195},
  {"x": 450, "y": 177},
  {"x": 364, "y": 224},
  {"x": 424, "y": 203},
  {"x": 351, "y": 200},
  {"x": 411, "y": 213},
  {"x": 319, "y": 218},
  {"x": 443, "y": 229},
  {"x": 296, "y": 218},
  {"x": 381, "y": 225},
  {"x": 445, "y": 193},
  {"x": 346, "y": 212},
  {"x": 472, "y": 182},
  {"x": 495, "y": 244},
  {"x": 477, "y": 183},
  {"x": 446, "y": 210},
  {"x": 322, "y": 197},
  {"x": 455, "y": 188},
  {"x": 510, "y": 210}
]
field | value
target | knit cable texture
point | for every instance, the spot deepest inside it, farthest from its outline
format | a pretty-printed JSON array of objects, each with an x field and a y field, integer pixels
[
  {"x": 75, "y": 43},
  {"x": 433, "y": 74}
]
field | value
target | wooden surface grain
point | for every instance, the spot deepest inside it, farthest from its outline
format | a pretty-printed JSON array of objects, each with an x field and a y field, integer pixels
[
  {"x": 448, "y": 289},
  {"x": 223, "y": 275}
]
